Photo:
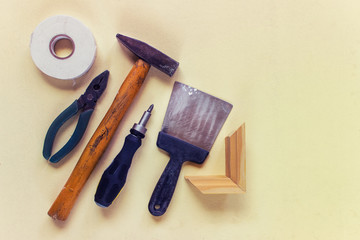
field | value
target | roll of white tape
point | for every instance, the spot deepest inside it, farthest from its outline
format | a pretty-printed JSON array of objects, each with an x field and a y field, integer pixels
[{"x": 54, "y": 29}]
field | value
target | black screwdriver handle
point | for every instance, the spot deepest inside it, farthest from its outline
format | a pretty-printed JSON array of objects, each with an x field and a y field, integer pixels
[{"x": 114, "y": 177}]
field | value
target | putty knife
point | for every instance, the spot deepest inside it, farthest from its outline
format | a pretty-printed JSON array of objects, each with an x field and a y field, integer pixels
[{"x": 192, "y": 122}]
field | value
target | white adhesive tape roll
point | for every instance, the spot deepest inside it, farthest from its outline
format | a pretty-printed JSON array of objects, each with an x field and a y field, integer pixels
[{"x": 44, "y": 39}]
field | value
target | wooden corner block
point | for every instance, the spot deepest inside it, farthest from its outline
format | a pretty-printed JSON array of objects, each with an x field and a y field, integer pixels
[
  {"x": 216, "y": 184},
  {"x": 234, "y": 180}
]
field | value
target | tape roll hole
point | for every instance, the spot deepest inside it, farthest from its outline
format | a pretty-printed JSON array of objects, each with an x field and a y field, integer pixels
[{"x": 62, "y": 46}]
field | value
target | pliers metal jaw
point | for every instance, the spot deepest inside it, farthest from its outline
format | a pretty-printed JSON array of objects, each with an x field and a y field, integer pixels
[{"x": 86, "y": 103}]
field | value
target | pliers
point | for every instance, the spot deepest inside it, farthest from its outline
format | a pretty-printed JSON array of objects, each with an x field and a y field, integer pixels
[{"x": 86, "y": 103}]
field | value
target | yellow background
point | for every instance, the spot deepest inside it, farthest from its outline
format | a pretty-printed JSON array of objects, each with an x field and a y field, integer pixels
[{"x": 291, "y": 70}]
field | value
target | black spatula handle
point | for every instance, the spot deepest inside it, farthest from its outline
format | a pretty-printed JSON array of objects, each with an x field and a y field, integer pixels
[
  {"x": 180, "y": 151},
  {"x": 165, "y": 187}
]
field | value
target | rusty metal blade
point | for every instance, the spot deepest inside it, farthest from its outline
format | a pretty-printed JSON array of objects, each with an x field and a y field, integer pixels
[
  {"x": 194, "y": 116},
  {"x": 149, "y": 54}
]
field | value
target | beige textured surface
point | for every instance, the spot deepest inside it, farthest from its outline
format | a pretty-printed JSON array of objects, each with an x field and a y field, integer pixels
[{"x": 291, "y": 70}]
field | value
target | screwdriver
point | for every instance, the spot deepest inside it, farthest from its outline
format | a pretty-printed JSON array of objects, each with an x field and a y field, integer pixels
[{"x": 114, "y": 177}]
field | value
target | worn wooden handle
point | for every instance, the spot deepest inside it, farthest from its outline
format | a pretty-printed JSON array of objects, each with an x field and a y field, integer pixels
[{"x": 63, "y": 204}]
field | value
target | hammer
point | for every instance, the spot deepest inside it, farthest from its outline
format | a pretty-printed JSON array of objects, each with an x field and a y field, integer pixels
[{"x": 96, "y": 146}]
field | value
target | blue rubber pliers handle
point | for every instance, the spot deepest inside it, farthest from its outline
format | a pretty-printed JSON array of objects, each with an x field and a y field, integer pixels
[{"x": 86, "y": 103}]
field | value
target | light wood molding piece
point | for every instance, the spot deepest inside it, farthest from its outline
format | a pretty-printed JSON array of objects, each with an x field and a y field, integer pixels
[{"x": 234, "y": 180}]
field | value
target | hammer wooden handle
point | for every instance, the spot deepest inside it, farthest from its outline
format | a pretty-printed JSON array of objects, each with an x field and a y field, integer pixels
[{"x": 63, "y": 204}]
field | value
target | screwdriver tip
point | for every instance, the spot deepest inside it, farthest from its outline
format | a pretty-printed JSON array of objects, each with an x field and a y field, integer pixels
[{"x": 151, "y": 108}]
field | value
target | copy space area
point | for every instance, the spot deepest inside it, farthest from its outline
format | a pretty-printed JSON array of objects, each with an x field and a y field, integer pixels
[{"x": 291, "y": 70}]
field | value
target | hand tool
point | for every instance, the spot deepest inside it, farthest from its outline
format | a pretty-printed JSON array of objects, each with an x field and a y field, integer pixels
[
  {"x": 193, "y": 120},
  {"x": 86, "y": 103},
  {"x": 114, "y": 177},
  {"x": 99, "y": 141}
]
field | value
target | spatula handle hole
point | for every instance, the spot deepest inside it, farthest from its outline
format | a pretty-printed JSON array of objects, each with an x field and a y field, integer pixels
[{"x": 157, "y": 207}]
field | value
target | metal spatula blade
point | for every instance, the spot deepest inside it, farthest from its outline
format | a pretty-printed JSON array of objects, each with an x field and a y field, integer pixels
[
  {"x": 192, "y": 122},
  {"x": 194, "y": 116}
]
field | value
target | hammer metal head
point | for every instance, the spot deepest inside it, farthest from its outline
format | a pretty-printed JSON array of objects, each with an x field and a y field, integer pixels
[{"x": 150, "y": 55}]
